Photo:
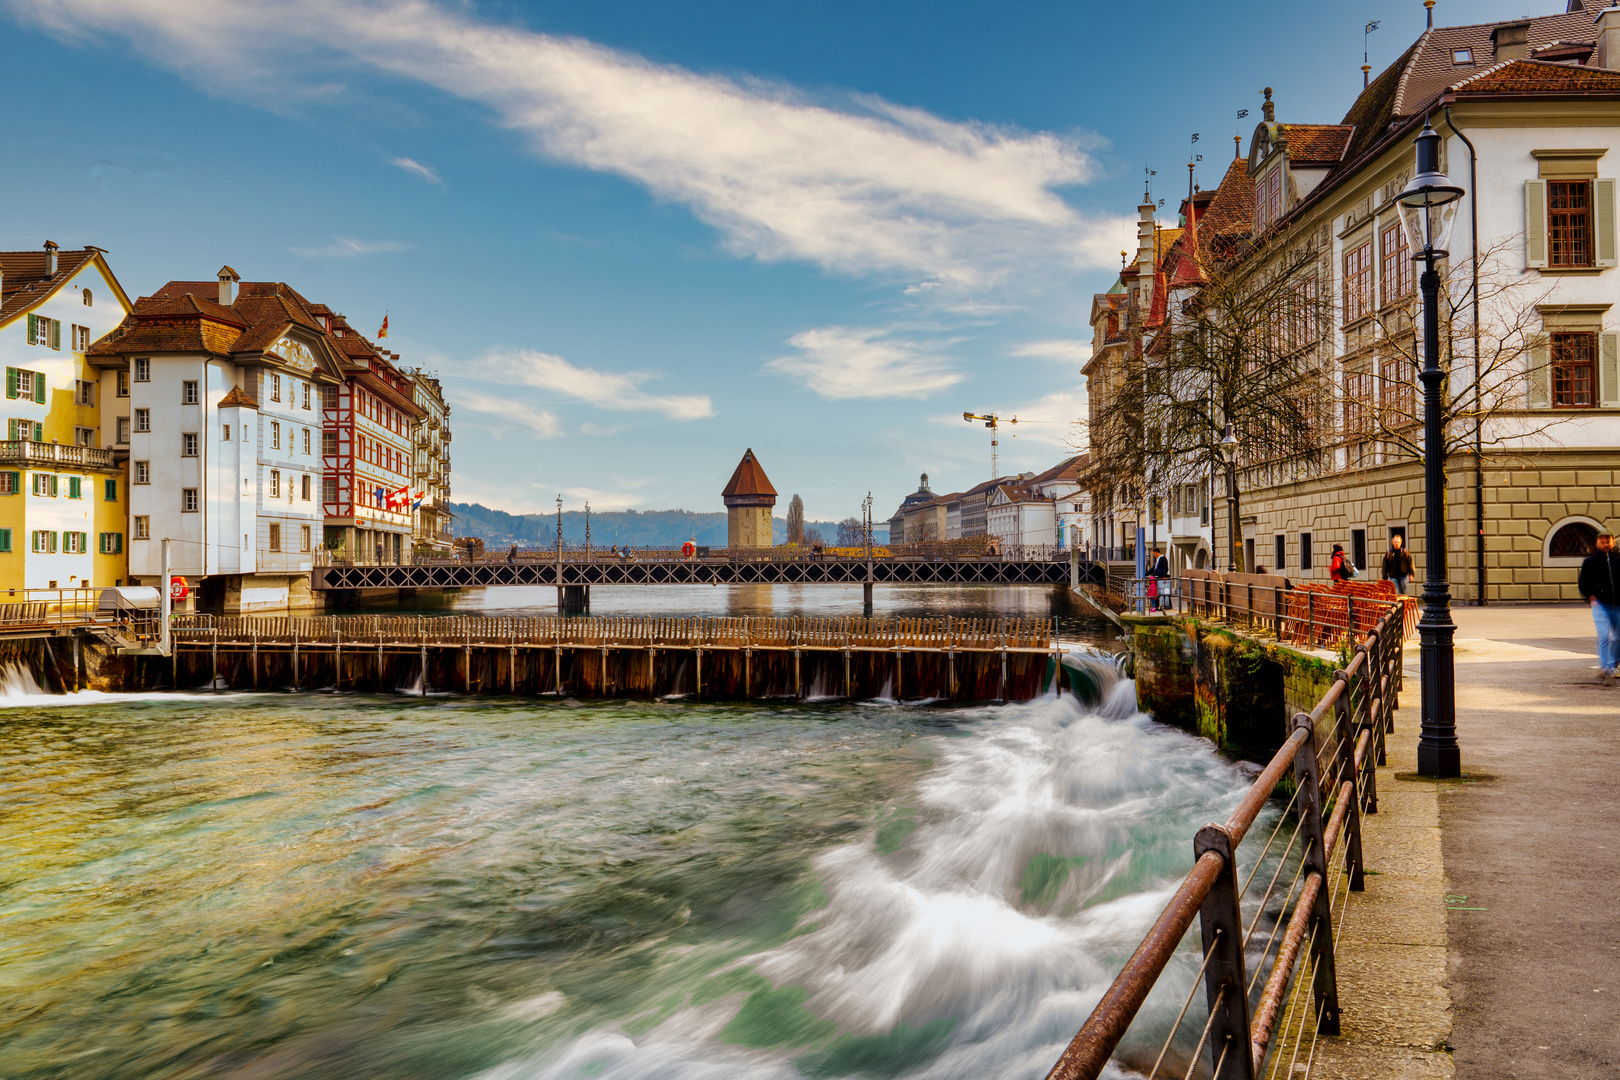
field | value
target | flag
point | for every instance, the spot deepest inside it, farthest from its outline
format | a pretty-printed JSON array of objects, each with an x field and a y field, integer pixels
[
  {"x": 398, "y": 499},
  {"x": 384, "y": 331},
  {"x": 381, "y": 495},
  {"x": 417, "y": 505}
]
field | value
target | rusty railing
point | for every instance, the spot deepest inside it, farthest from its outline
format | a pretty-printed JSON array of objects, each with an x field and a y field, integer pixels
[{"x": 1268, "y": 995}]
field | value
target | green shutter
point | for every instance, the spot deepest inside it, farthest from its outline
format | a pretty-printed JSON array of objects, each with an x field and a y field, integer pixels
[
  {"x": 5, "y": 540},
  {"x": 33, "y": 331},
  {"x": 1535, "y": 223},
  {"x": 16, "y": 483},
  {"x": 56, "y": 336},
  {"x": 55, "y": 485},
  {"x": 11, "y": 380},
  {"x": 110, "y": 490},
  {"x": 1540, "y": 373},
  {"x": 11, "y": 430},
  {"x": 75, "y": 487},
  {"x": 39, "y": 387},
  {"x": 1603, "y": 220},
  {"x": 39, "y": 432}
]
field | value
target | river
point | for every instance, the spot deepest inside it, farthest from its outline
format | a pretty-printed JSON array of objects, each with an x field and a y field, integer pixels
[{"x": 266, "y": 886}]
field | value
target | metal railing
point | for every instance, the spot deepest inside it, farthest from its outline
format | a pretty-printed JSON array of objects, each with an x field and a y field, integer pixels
[
  {"x": 575, "y": 555},
  {"x": 29, "y": 452},
  {"x": 1269, "y": 992},
  {"x": 1307, "y": 612}
]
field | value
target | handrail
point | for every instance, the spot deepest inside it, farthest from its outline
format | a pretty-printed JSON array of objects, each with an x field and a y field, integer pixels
[{"x": 1333, "y": 774}]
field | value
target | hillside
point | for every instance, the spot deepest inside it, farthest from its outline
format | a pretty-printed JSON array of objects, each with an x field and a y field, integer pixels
[{"x": 637, "y": 528}]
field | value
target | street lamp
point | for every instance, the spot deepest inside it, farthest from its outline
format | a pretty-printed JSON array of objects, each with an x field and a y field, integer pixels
[
  {"x": 1229, "y": 449},
  {"x": 1429, "y": 210}
]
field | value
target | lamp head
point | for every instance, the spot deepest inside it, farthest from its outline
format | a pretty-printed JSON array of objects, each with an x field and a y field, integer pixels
[
  {"x": 1429, "y": 203},
  {"x": 1229, "y": 446}
]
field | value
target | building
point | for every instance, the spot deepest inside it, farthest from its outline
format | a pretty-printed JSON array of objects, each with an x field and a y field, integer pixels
[
  {"x": 1018, "y": 516},
  {"x": 749, "y": 498},
  {"x": 432, "y": 530},
  {"x": 220, "y": 385},
  {"x": 62, "y": 490},
  {"x": 897, "y": 521},
  {"x": 1071, "y": 508}
]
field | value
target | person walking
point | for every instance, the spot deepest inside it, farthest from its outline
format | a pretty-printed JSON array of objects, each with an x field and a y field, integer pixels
[
  {"x": 1398, "y": 564},
  {"x": 1341, "y": 568},
  {"x": 1599, "y": 584},
  {"x": 1159, "y": 570}
]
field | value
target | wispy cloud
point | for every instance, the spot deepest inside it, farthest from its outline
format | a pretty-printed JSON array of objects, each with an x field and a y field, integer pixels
[
  {"x": 542, "y": 423},
  {"x": 416, "y": 168},
  {"x": 1060, "y": 351},
  {"x": 840, "y": 362},
  {"x": 620, "y": 391},
  {"x": 349, "y": 247},
  {"x": 859, "y": 186}
]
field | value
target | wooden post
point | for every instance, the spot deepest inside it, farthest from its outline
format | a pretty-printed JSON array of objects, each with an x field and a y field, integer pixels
[
  {"x": 255, "y": 659},
  {"x": 950, "y": 670},
  {"x": 699, "y": 666},
  {"x": 607, "y": 687},
  {"x": 295, "y": 661},
  {"x": 423, "y": 692},
  {"x": 899, "y": 688},
  {"x": 1004, "y": 674},
  {"x": 748, "y": 673},
  {"x": 558, "y": 671},
  {"x": 511, "y": 669},
  {"x": 466, "y": 674},
  {"x": 337, "y": 661},
  {"x": 213, "y": 682},
  {"x": 798, "y": 678}
]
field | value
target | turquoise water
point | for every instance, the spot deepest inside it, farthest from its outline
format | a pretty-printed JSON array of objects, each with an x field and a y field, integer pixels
[{"x": 324, "y": 886}]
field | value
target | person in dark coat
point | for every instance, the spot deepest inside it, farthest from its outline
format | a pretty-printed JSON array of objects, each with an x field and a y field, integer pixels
[
  {"x": 1398, "y": 563},
  {"x": 1159, "y": 570},
  {"x": 1599, "y": 583}
]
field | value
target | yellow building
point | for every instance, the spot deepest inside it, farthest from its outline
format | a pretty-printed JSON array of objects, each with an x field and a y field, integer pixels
[{"x": 63, "y": 502}]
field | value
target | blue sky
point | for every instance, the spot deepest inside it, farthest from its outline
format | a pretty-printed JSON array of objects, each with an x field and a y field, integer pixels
[{"x": 635, "y": 238}]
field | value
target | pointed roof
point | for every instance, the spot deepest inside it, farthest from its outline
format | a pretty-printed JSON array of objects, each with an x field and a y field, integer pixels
[
  {"x": 749, "y": 479},
  {"x": 237, "y": 397},
  {"x": 25, "y": 284}
]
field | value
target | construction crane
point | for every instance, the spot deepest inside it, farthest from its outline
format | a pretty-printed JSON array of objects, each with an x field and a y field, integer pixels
[{"x": 992, "y": 422}]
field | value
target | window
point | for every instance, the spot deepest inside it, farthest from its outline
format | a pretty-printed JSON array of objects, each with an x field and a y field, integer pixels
[
  {"x": 225, "y": 433},
  {"x": 328, "y": 489},
  {"x": 1358, "y": 282},
  {"x": 143, "y": 420},
  {"x": 188, "y": 444},
  {"x": 1358, "y": 396},
  {"x": 1572, "y": 370},
  {"x": 1268, "y": 199},
  {"x": 329, "y": 443},
  {"x": 143, "y": 369},
  {"x": 1462, "y": 57},
  {"x": 123, "y": 384},
  {"x": 84, "y": 392},
  {"x": 1569, "y": 223},
  {"x": 1282, "y": 554},
  {"x": 81, "y": 338},
  {"x": 27, "y": 385},
  {"x": 1358, "y": 547},
  {"x": 45, "y": 484},
  {"x": 25, "y": 429},
  {"x": 112, "y": 543},
  {"x": 188, "y": 392},
  {"x": 75, "y": 543},
  {"x": 83, "y": 436},
  {"x": 275, "y": 483},
  {"x": 306, "y": 440},
  {"x": 303, "y": 538},
  {"x": 304, "y": 488},
  {"x": 1302, "y": 322},
  {"x": 1305, "y": 551},
  {"x": 43, "y": 541},
  {"x": 5, "y": 541},
  {"x": 123, "y": 430},
  {"x": 1397, "y": 394},
  {"x": 10, "y": 483},
  {"x": 188, "y": 500},
  {"x": 109, "y": 490},
  {"x": 143, "y": 527},
  {"x": 75, "y": 487},
  {"x": 43, "y": 331},
  {"x": 329, "y": 397},
  {"x": 275, "y": 537},
  {"x": 306, "y": 395},
  {"x": 88, "y": 298},
  {"x": 275, "y": 436},
  {"x": 143, "y": 472},
  {"x": 1396, "y": 263},
  {"x": 275, "y": 387}
]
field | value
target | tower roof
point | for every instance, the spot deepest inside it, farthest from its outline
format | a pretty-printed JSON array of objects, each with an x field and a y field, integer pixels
[{"x": 749, "y": 479}]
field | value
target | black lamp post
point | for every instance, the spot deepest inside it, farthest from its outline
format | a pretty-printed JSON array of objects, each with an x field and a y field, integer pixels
[
  {"x": 1229, "y": 449},
  {"x": 1429, "y": 210}
]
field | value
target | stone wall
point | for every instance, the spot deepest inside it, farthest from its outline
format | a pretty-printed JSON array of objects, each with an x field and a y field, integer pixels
[{"x": 748, "y": 527}]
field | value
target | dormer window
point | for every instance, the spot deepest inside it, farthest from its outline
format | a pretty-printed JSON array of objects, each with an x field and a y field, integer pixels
[
  {"x": 1462, "y": 57},
  {"x": 1268, "y": 199}
]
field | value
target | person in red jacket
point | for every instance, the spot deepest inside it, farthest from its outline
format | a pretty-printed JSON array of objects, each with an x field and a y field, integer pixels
[{"x": 1341, "y": 568}]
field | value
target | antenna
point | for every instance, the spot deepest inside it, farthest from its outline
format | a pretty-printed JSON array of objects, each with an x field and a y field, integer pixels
[{"x": 1366, "y": 68}]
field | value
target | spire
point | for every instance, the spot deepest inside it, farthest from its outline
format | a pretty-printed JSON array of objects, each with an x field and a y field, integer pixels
[
  {"x": 1269, "y": 110},
  {"x": 1429, "y": 5}
]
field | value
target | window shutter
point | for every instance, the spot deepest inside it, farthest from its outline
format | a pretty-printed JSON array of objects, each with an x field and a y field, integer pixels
[
  {"x": 16, "y": 482},
  {"x": 39, "y": 387},
  {"x": 39, "y": 435},
  {"x": 1535, "y": 223},
  {"x": 5, "y": 540},
  {"x": 11, "y": 381},
  {"x": 33, "y": 331},
  {"x": 1540, "y": 374},
  {"x": 118, "y": 543},
  {"x": 54, "y": 487},
  {"x": 1603, "y": 220},
  {"x": 56, "y": 336},
  {"x": 1609, "y": 371}
]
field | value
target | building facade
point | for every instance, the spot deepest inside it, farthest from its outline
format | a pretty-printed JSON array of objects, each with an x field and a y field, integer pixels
[
  {"x": 433, "y": 529},
  {"x": 62, "y": 488},
  {"x": 749, "y": 498}
]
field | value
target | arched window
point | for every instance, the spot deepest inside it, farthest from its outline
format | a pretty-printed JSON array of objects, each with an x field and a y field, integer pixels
[
  {"x": 1569, "y": 541},
  {"x": 88, "y": 299}
]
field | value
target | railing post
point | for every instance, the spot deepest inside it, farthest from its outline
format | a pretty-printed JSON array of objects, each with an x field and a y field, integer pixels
[
  {"x": 1344, "y": 715},
  {"x": 1321, "y": 933},
  {"x": 1220, "y": 923}
]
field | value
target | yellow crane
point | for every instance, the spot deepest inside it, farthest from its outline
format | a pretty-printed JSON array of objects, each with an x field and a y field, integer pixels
[{"x": 992, "y": 422}]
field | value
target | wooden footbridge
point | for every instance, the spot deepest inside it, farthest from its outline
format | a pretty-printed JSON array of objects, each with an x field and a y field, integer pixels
[{"x": 850, "y": 658}]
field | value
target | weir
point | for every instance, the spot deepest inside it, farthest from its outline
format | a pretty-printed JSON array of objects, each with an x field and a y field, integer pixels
[{"x": 942, "y": 659}]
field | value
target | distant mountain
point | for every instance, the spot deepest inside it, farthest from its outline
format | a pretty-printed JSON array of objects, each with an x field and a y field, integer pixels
[{"x": 637, "y": 528}]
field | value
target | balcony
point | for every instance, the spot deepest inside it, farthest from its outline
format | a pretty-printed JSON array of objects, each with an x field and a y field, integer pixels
[{"x": 28, "y": 452}]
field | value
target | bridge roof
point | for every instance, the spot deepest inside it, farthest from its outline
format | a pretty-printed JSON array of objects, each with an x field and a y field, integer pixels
[{"x": 749, "y": 479}]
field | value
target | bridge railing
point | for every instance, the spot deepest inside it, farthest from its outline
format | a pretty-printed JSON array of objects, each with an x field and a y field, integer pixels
[
  {"x": 1307, "y": 612},
  {"x": 47, "y": 607},
  {"x": 575, "y": 556},
  {"x": 628, "y": 631},
  {"x": 1266, "y": 919}
]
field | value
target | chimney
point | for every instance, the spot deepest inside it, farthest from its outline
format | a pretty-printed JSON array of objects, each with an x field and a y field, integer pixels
[
  {"x": 1269, "y": 110},
  {"x": 1607, "y": 53},
  {"x": 227, "y": 285},
  {"x": 50, "y": 258},
  {"x": 1512, "y": 40}
]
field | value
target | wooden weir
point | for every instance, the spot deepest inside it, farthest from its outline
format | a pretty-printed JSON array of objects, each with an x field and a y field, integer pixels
[{"x": 620, "y": 656}]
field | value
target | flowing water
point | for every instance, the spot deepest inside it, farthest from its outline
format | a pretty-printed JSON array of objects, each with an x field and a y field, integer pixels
[{"x": 341, "y": 886}]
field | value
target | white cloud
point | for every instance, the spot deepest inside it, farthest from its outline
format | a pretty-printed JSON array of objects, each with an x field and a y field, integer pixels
[
  {"x": 540, "y": 422},
  {"x": 604, "y": 389},
  {"x": 1061, "y": 351},
  {"x": 864, "y": 186},
  {"x": 841, "y": 362},
  {"x": 416, "y": 168},
  {"x": 348, "y": 247}
]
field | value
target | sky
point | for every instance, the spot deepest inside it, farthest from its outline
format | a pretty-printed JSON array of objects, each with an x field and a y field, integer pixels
[{"x": 636, "y": 238}]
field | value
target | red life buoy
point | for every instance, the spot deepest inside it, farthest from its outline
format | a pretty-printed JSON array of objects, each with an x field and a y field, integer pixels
[
  {"x": 178, "y": 590},
  {"x": 689, "y": 549}
]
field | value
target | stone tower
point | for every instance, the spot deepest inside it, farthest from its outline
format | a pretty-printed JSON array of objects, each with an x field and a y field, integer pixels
[{"x": 749, "y": 499}]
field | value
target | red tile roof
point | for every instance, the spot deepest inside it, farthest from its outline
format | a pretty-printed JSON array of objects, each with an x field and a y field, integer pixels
[
  {"x": 1315, "y": 144},
  {"x": 1539, "y": 77},
  {"x": 24, "y": 284},
  {"x": 238, "y": 397},
  {"x": 749, "y": 479}
]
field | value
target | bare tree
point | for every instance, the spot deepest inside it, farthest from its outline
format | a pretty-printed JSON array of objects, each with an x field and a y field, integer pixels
[
  {"x": 795, "y": 521},
  {"x": 850, "y": 532}
]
